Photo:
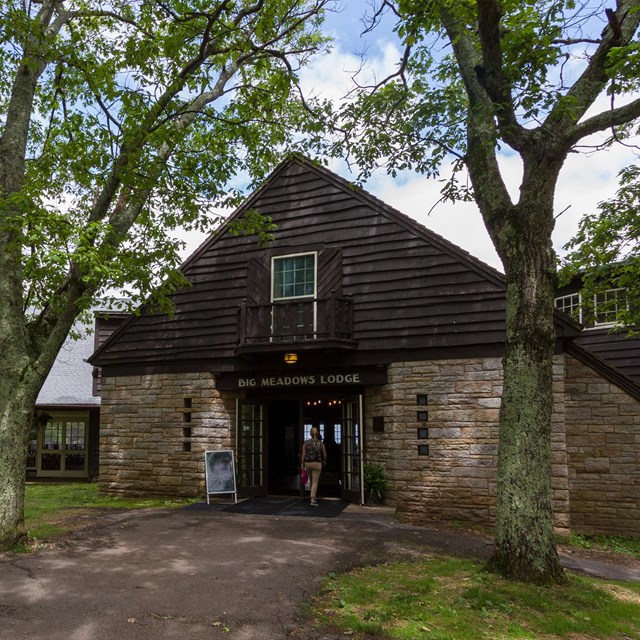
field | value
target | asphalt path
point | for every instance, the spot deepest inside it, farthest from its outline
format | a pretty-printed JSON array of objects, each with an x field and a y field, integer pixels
[{"x": 191, "y": 575}]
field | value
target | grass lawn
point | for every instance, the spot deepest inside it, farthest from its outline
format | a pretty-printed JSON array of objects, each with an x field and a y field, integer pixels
[
  {"x": 617, "y": 544},
  {"x": 52, "y": 509},
  {"x": 453, "y": 599}
]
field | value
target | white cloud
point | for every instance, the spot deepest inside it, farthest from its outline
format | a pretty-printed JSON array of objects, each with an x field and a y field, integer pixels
[
  {"x": 331, "y": 75},
  {"x": 585, "y": 180}
]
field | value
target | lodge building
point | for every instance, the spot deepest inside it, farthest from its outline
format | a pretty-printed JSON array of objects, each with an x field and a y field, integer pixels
[{"x": 356, "y": 319}]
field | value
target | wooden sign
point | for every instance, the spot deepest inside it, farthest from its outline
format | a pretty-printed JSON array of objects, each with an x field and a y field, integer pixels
[{"x": 361, "y": 376}]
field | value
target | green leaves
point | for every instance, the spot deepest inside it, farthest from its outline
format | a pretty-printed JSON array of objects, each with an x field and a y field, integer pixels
[
  {"x": 142, "y": 115},
  {"x": 605, "y": 252},
  {"x": 252, "y": 223},
  {"x": 623, "y": 67},
  {"x": 532, "y": 70}
]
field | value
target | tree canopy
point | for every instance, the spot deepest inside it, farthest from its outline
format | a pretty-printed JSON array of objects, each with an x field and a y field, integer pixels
[
  {"x": 121, "y": 121},
  {"x": 127, "y": 119},
  {"x": 537, "y": 68}
]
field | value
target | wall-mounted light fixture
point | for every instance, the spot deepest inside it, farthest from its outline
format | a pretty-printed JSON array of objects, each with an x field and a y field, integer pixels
[{"x": 291, "y": 358}]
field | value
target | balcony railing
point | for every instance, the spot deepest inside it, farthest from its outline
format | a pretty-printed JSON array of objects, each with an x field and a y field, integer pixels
[{"x": 311, "y": 320}]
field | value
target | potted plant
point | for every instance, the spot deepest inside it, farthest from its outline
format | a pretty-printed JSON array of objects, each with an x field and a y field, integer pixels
[{"x": 375, "y": 483}]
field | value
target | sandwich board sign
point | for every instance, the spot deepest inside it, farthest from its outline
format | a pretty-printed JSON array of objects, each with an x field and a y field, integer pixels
[{"x": 220, "y": 473}]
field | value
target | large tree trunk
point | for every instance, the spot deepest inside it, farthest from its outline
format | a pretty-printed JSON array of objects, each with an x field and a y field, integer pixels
[
  {"x": 24, "y": 367},
  {"x": 21, "y": 378},
  {"x": 17, "y": 399},
  {"x": 521, "y": 233},
  {"x": 525, "y": 546}
]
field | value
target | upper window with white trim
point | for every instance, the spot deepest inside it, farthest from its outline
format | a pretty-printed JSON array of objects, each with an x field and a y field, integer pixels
[
  {"x": 571, "y": 305},
  {"x": 294, "y": 276},
  {"x": 603, "y": 310},
  {"x": 608, "y": 305}
]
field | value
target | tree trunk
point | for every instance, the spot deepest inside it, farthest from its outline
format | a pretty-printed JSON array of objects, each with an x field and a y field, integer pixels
[
  {"x": 22, "y": 374},
  {"x": 525, "y": 546},
  {"x": 24, "y": 367},
  {"x": 17, "y": 399}
]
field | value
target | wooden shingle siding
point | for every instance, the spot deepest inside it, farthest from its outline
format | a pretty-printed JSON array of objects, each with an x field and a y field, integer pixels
[
  {"x": 409, "y": 289},
  {"x": 615, "y": 348},
  {"x": 106, "y": 323}
]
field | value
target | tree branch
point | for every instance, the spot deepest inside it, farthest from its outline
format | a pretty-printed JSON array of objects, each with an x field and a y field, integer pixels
[
  {"x": 573, "y": 41},
  {"x": 622, "y": 26},
  {"x": 491, "y": 74},
  {"x": 118, "y": 201},
  {"x": 603, "y": 121},
  {"x": 481, "y": 157}
]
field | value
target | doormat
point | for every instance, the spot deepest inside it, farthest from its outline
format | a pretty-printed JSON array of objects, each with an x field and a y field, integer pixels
[{"x": 273, "y": 506}]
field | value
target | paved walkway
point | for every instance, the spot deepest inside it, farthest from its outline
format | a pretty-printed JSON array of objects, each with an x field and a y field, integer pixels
[{"x": 202, "y": 574}]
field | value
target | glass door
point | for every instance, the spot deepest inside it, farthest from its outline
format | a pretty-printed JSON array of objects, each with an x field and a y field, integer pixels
[
  {"x": 63, "y": 446},
  {"x": 352, "y": 476},
  {"x": 250, "y": 429}
]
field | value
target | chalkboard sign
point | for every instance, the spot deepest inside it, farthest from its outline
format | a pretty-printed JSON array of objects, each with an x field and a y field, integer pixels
[{"x": 220, "y": 473}]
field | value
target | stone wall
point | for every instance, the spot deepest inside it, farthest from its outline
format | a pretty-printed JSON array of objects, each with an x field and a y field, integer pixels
[
  {"x": 603, "y": 445},
  {"x": 155, "y": 429},
  {"x": 457, "y": 479}
]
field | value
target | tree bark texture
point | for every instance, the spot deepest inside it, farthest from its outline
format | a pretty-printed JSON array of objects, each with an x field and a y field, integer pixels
[
  {"x": 23, "y": 371},
  {"x": 525, "y": 546},
  {"x": 17, "y": 397}
]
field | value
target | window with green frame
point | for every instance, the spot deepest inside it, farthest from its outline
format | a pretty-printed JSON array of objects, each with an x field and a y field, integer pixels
[
  {"x": 63, "y": 446},
  {"x": 294, "y": 276}
]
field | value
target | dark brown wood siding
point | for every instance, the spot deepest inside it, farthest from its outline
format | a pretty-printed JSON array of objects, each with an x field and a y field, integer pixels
[
  {"x": 616, "y": 349},
  {"x": 410, "y": 289},
  {"x": 106, "y": 323}
]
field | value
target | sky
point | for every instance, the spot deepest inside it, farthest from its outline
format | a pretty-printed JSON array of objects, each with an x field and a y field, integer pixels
[{"x": 586, "y": 179}]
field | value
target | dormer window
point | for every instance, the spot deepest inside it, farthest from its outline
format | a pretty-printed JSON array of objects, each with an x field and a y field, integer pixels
[
  {"x": 608, "y": 305},
  {"x": 294, "y": 276},
  {"x": 571, "y": 305},
  {"x": 604, "y": 310}
]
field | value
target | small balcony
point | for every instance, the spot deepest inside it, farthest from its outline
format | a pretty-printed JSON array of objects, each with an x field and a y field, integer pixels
[{"x": 307, "y": 324}]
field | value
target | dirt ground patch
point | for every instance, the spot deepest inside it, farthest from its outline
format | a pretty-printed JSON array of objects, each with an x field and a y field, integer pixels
[
  {"x": 87, "y": 522},
  {"x": 175, "y": 573}
]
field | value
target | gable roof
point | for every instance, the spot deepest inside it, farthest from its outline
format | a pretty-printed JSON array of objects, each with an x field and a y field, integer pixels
[
  {"x": 330, "y": 200},
  {"x": 365, "y": 197}
]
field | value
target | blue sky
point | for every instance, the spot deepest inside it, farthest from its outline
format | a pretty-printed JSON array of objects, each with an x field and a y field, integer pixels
[{"x": 585, "y": 179}]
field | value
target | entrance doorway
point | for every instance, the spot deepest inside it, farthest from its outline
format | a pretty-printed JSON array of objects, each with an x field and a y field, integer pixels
[
  {"x": 283, "y": 446},
  {"x": 326, "y": 415},
  {"x": 271, "y": 431}
]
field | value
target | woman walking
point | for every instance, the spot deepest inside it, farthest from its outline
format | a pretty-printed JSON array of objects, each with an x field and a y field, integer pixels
[{"x": 313, "y": 456}]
